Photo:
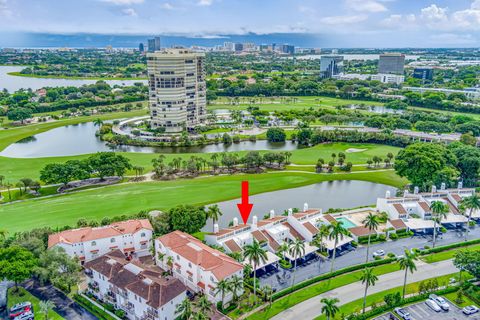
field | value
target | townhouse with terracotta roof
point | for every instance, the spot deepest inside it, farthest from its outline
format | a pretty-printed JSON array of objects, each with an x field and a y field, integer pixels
[
  {"x": 199, "y": 266},
  {"x": 413, "y": 211},
  {"x": 274, "y": 231},
  {"x": 142, "y": 291},
  {"x": 132, "y": 237}
]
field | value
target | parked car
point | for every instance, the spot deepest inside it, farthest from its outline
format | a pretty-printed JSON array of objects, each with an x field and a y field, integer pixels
[
  {"x": 440, "y": 301},
  {"x": 3, "y": 296},
  {"x": 19, "y": 309},
  {"x": 433, "y": 305},
  {"x": 379, "y": 253},
  {"x": 403, "y": 313},
  {"x": 25, "y": 316},
  {"x": 470, "y": 310}
]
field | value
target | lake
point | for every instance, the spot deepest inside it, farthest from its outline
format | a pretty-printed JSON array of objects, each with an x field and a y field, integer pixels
[
  {"x": 80, "y": 139},
  {"x": 14, "y": 83},
  {"x": 323, "y": 195}
]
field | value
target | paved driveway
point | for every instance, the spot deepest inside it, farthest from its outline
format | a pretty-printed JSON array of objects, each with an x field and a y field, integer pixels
[{"x": 420, "y": 311}]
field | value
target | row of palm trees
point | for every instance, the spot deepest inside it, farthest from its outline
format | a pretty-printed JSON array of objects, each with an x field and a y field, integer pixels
[{"x": 199, "y": 310}]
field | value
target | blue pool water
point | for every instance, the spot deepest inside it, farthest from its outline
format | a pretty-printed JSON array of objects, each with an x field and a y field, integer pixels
[{"x": 346, "y": 223}]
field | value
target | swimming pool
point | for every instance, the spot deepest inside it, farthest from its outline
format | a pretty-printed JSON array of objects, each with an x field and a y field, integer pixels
[{"x": 346, "y": 223}]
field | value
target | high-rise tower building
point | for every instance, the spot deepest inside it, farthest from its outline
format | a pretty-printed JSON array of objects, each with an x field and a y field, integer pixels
[
  {"x": 330, "y": 66},
  {"x": 392, "y": 63},
  {"x": 154, "y": 44},
  {"x": 177, "y": 89}
]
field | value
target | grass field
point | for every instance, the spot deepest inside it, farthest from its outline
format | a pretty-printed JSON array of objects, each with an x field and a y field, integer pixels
[
  {"x": 22, "y": 296},
  {"x": 133, "y": 197},
  {"x": 445, "y": 255}
]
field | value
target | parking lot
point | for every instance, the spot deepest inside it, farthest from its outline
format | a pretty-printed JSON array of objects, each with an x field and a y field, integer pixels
[{"x": 420, "y": 311}]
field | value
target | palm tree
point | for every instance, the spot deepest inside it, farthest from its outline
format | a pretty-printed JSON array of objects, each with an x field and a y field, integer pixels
[
  {"x": 199, "y": 316},
  {"x": 214, "y": 213},
  {"x": 223, "y": 287},
  {"x": 337, "y": 232},
  {"x": 471, "y": 203},
  {"x": 439, "y": 210},
  {"x": 255, "y": 255},
  {"x": 282, "y": 249},
  {"x": 407, "y": 263},
  {"x": 98, "y": 122},
  {"x": 184, "y": 309},
  {"x": 268, "y": 291},
  {"x": 296, "y": 250},
  {"x": 203, "y": 305},
  {"x": 170, "y": 264},
  {"x": 236, "y": 285},
  {"x": 371, "y": 223},
  {"x": 45, "y": 307},
  {"x": 369, "y": 278},
  {"x": 330, "y": 308}
]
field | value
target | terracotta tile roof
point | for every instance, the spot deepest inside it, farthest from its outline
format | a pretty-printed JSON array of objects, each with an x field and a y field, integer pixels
[
  {"x": 398, "y": 224},
  {"x": 400, "y": 209},
  {"x": 270, "y": 220},
  {"x": 311, "y": 228},
  {"x": 293, "y": 232},
  {"x": 361, "y": 231},
  {"x": 456, "y": 197},
  {"x": 259, "y": 236},
  {"x": 424, "y": 206},
  {"x": 329, "y": 218},
  {"x": 89, "y": 233},
  {"x": 452, "y": 207},
  {"x": 232, "y": 229},
  {"x": 302, "y": 214},
  {"x": 109, "y": 264},
  {"x": 233, "y": 246},
  {"x": 271, "y": 242},
  {"x": 200, "y": 254}
]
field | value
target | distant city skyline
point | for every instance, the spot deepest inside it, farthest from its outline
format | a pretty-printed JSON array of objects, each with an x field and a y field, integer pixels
[{"x": 344, "y": 23}]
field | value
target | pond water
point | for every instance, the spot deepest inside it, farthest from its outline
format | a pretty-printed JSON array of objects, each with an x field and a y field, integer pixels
[
  {"x": 14, "y": 83},
  {"x": 376, "y": 109},
  {"x": 324, "y": 195},
  {"x": 80, "y": 139}
]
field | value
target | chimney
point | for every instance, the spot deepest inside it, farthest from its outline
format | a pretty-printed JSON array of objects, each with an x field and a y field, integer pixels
[
  {"x": 443, "y": 186},
  {"x": 415, "y": 190},
  {"x": 460, "y": 185},
  {"x": 254, "y": 221},
  {"x": 235, "y": 221},
  {"x": 272, "y": 213},
  {"x": 405, "y": 193},
  {"x": 305, "y": 207},
  {"x": 215, "y": 228},
  {"x": 434, "y": 189},
  {"x": 290, "y": 211},
  {"x": 387, "y": 194}
]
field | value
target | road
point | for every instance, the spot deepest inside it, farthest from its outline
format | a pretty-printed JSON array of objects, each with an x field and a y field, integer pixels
[{"x": 311, "y": 308}]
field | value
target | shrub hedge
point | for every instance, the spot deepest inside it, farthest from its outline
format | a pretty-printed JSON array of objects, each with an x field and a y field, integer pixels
[{"x": 450, "y": 246}]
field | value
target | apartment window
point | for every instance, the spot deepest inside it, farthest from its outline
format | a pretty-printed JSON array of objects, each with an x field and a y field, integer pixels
[
  {"x": 94, "y": 243},
  {"x": 112, "y": 240},
  {"x": 189, "y": 264},
  {"x": 142, "y": 235},
  {"x": 178, "y": 257}
]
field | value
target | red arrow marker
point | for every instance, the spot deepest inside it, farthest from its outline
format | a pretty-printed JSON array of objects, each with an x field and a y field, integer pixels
[{"x": 245, "y": 208}]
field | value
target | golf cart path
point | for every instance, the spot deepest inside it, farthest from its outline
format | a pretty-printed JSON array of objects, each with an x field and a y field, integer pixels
[{"x": 311, "y": 308}]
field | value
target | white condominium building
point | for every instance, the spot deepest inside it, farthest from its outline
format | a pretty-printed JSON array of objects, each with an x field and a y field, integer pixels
[
  {"x": 133, "y": 237},
  {"x": 177, "y": 89}
]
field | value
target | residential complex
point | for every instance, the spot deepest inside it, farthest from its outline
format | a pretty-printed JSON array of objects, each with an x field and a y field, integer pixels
[
  {"x": 330, "y": 66},
  {"x": 177, "y": 89},
  {"x": 470, "y": 93},
  {"x": 142, "y": 291},
  {"x": 388, "y": 78},
  {"x": 199, "y": 266},
  {"x": 132, "y": 237},
  {"x": 391, "y": 63}
]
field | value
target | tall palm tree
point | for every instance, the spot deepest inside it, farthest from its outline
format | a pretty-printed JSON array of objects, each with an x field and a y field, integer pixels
[
  {"x": 407, "y": 263},
  {"x": 203, "y": 305},
  {"x": 282, "y": 249},
  {"x": 330, "y": 308},
  {"x": 371, "y": 223},
  {"x": 199, "y": 316},
  {"x": 214, "y": 213},
  {"x": 296, "y": 250},
  {"x": 471, "y": 203},
  {"x": 268, "y": 291},
  {"x": 223, "y": 287},
  {"x": 255, "y": 255},
  {"x": 45, "y": 307},
  {"x": 184, "y": 309},
  {"x": 170, "y": 264},
  {"x": 236, "y": 285},
  {"x": 439, "y": 210},
  {"x": 337, "y": 232},
  {"x": 369, "y": 278},
  {"x": 98, "y": 122}
]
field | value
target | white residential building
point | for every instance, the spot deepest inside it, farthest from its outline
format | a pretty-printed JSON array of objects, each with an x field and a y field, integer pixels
[
  {"x": 140, "y": 290},
  {"x": 388, "y": 78},
  {"x": 199, "y": 266},
  {"x": 132, "y": 237}
]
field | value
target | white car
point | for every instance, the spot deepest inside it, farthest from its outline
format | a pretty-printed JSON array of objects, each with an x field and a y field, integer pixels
[
  {"x": 470, "y": 310},
  {"x": 403, "y": 313},
  {"x": 440, "y": 301},
  {"x": 433, "y": 305},
  {"x": 379, "y": 253}
]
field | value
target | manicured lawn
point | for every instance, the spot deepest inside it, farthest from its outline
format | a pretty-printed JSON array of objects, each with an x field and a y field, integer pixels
[
  {"x": 445, "y": 255},
  {"x": 23, "y": 295},
  {"x": 466, "y": 300},
  {"x": 131, "y": 198}
]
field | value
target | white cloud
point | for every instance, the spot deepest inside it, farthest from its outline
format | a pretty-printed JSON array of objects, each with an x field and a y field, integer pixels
[
  {"x": 167, "y": 6},
  {"x": 434, "y": 14},
  {"x": 4, "y": 10},
  {"x": 343, "y": 19},
  {"x": 398, "y": 21},
  {"x": 438, "y": 18},
  {"x": 130, "y": 12},
  {"x": 123, "y": 2},
  {"x": 365, "y": 5},
  {"x": 205, "y": 3}
]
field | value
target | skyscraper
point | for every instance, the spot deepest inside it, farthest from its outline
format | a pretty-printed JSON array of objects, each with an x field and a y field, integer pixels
[
  {"x": 141, "y": 47},
  {"x": 154, "y": 44},
  {"x": 425, "y": 74},
  {"x": 177, "y": 89},
  {"x": 330, "y": 66},
  {"x": 392, "y": 63}
]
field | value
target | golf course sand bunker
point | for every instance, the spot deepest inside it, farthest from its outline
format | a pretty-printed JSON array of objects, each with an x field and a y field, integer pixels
[{"x": 355, "y": 150}]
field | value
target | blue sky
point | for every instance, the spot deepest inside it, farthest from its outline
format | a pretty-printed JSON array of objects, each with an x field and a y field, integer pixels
[{"x": 379, "y": 23}]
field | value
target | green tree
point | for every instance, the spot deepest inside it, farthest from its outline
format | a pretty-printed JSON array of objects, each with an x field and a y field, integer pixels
[
  {"x": 440, "y": 211},
  {"x": 407, "y": 263},
  {"x": 337, "y": 232},
  {"x": 255, "y": 254},
  {"x": 330, "y": 308},
  {"x": 214, "y": 213},
  {"x": 108, "y": 164},
  {"x": 203, "y": 305},
  {"x": 468, "y": 260},
  {"x": 19, "y": 114},
  {"x": 276, "y": 135},
  {"x": 58, "y": 268},
  {"x": 471, "y": 203},
  {"x": 16, "y": 264},
  {"x": 236, "y": 286},
  {"x": 371, "y": 223},
  {"x": 296, "y": 250},
  {"x": 369, "y": 279},
  {"x": 187, "y": 218},
  {"x": 223, "y": 288},
  {"x": 45, "y": 307},
  {"x": 184, "y": 309}
]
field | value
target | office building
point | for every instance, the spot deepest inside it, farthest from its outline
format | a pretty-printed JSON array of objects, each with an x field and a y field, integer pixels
[
  {"x": 141, "y": 47},
  {"x": 154, "y": 44},
  {"x": 177, "y": 89},
  {"x": 288, "y": 49},
  {"x": 424, "y": 74},
  {"x": 238, "y": 47},
  {"x": 391, "y": 63},
  {"x": 229, "y": 46},
  {"x": 388, "y": 78},
  {"x": 330, "y": 66}
]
